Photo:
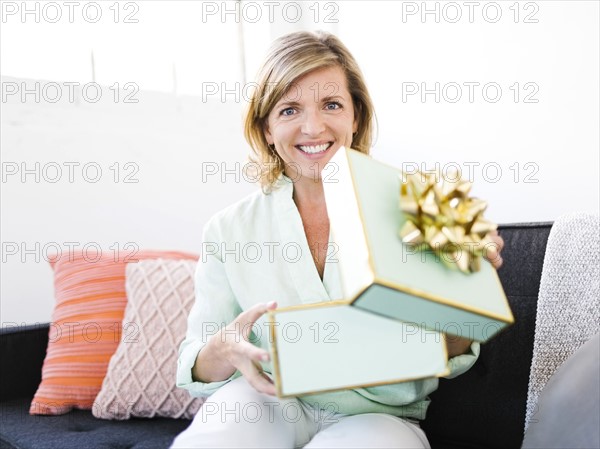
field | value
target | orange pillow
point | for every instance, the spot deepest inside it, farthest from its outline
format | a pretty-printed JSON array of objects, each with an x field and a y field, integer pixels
[{"x": 86, "y": 329}]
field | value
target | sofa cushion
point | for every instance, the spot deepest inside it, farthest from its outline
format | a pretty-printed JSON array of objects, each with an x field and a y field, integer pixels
[
  {"x": 79, "y": 429},
  {"x": 485, "y": 407},
  {"x": 141, "y": 375}
]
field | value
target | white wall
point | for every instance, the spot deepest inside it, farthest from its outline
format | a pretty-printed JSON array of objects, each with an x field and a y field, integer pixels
[
  {"x": 554, "y": 141},
  {"x": 168, "y": 138}
]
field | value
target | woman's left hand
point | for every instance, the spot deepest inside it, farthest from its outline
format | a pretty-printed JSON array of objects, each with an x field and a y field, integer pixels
[
  {"x": 493, "y": 251},
  {"x": 457, "y": 345}
]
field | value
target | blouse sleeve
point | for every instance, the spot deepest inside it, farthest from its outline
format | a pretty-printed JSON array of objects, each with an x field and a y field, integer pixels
[
  {"x": 414, "y": 394},
  {"x": 462, "y": 363},
  {"x": 215, "y": 306}
]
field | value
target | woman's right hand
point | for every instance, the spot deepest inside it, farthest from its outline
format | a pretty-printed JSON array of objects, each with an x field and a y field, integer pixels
[{"x": 230, "y": 349}]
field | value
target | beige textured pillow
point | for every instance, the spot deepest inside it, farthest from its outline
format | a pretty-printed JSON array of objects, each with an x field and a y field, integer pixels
[{"x": 140, "y": 381}]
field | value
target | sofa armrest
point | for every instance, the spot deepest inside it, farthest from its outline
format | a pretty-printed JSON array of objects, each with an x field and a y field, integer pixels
[{"x": 22, "y": 351}]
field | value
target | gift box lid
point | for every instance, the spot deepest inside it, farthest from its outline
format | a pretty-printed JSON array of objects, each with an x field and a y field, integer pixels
[{"x": 383, "y": 275}]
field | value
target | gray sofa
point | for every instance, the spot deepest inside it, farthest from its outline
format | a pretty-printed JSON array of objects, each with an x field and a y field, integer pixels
[{"x": 483, "y": 408}]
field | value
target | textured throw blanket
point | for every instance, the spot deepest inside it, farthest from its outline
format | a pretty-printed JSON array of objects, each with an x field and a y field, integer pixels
[{"x": 568, "y": 309}]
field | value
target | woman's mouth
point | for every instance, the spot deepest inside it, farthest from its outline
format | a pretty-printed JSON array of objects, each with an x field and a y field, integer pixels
[{"x": 314, "y": 149}]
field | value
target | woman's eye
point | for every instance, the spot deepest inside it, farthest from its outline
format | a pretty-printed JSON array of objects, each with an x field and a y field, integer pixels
[
  {"x": 333, "y": 106},
  {"x": 287, "y": 111}
]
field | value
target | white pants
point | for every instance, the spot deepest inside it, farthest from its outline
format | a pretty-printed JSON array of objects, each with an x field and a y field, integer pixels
[{"x": 239, "y": 416}]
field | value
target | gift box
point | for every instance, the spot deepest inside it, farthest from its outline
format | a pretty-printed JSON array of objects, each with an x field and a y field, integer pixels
[
  {"x": 383, "y": 275},
  {"x": 400, "y": 299},
  {"x": 331, "y": 346}
]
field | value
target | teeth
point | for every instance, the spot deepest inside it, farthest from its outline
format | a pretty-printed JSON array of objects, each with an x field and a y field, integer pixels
[{"x": 314, "y": 149}]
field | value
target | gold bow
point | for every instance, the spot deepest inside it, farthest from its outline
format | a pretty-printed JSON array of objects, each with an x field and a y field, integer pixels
[{"x": 442, "y": 217}]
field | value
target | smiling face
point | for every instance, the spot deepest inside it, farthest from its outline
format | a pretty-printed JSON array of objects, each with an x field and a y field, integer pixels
[{"x": 312, "y": 120}]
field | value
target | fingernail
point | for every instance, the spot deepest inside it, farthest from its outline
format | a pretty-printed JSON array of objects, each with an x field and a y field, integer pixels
[{"x": 264, "y": 357}]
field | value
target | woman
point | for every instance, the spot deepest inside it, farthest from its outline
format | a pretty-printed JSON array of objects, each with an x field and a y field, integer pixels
[{"x": 310, "y": 101}]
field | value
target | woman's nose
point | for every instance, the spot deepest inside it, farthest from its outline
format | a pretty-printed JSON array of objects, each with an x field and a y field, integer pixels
[{"x": 313, "y": 124}]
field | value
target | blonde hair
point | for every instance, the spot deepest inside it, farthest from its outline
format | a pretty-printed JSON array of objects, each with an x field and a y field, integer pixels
[{"x": 291, "y": 57}]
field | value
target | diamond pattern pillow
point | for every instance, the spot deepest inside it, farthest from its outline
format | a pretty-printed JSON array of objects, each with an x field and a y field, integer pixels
[{"x": 140, "y": 381}]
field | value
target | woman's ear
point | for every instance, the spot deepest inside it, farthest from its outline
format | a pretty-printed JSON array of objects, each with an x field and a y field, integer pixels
[
  {"x": 267, "y": 133},
  {"x": 357, "y": 112}
]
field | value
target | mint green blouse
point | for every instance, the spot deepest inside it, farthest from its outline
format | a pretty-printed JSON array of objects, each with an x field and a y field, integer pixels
[{"x": 256, "y": 251}]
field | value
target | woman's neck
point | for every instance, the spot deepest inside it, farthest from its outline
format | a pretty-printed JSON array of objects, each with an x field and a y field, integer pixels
[{"x": 309, "y": 193}]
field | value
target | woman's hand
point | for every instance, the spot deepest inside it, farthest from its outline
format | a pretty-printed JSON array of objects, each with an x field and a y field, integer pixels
[
  {"x": 493, "y": 251},
  {"x": 458, "y": 345},
  {"x": 230, "y": 349}
]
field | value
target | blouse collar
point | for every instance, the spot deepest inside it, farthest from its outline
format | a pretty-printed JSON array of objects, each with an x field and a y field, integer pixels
[{"x": 301, "y": 266}]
